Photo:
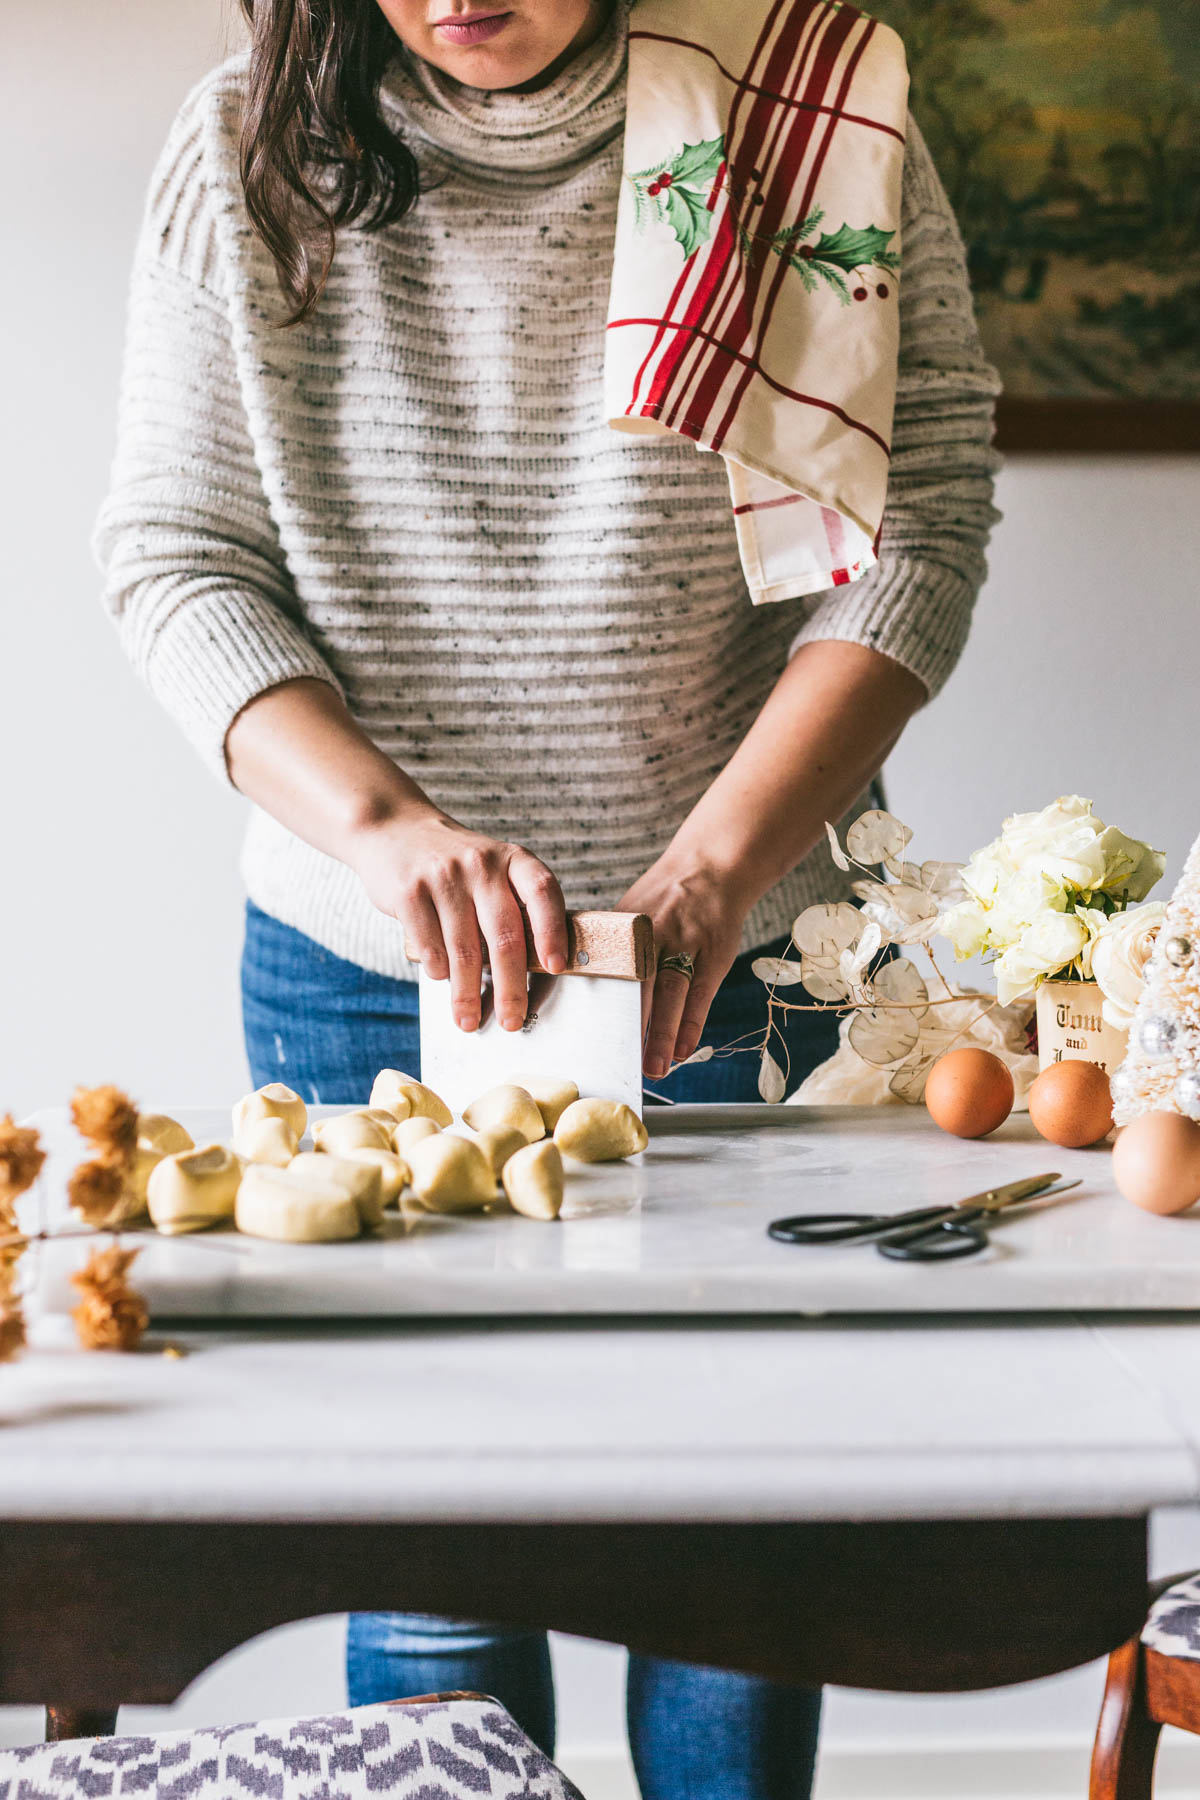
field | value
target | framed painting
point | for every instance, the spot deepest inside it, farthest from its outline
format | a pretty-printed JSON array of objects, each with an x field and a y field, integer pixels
[{"x": 1067, "y": 133}]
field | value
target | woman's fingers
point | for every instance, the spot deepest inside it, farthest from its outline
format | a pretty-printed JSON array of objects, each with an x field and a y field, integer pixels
[
  {"x": 423, "y": 937},
  {"x": 503, "y": 928},
  {"x": 460, "y": 933},
  {"x": 541, "y": 896},
  {"x": 701, "y": 993},
  {"x": 666, "y": 1014}
]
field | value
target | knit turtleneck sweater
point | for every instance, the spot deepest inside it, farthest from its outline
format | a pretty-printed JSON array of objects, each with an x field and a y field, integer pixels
[{"x": 415, "y": 497}]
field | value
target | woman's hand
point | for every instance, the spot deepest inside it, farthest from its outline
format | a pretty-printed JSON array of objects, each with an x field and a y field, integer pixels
[
  {"x": 296, "y": 752},
  {"x": 698, "y": 909},
  {"x": 462, "y": 898}
]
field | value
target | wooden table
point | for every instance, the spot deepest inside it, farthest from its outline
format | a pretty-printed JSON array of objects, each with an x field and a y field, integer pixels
[{"x": 913, "y": 1505}]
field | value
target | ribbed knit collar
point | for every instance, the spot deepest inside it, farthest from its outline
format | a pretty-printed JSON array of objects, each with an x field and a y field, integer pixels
[{"x": 536, "y": 134}]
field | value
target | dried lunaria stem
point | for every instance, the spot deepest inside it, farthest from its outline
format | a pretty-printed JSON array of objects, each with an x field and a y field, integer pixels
[
  {"x": 110, "y": 1315},
  {"x": 109, "y": 1120}
]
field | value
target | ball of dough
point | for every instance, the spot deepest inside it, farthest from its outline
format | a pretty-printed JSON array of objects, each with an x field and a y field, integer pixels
[
  {"x": 408, "y": 1132},
  {"x": 137, "y": 1181},
  {"x": 194, "y": 1189},
  {"x": 551, "y": 1096},
  {"x": 405, "y": 1098},
  {"x": 351, "y": 1131},
  {"x": 266, "y": 1141},
  {"x": 155, "y": 1131},
  {"x": 275, "y": 1101},
  {"x": 291, "y": 1209},
  {"x": 533, "y": 1180},
  {"x": 393, "y": 1171},
  {"x": 451, "y": 1174},
  {"x": 388, "y": 1092},
  {"x": 498, "y": 1143},
  {"x": 507, "y": 1105},
  {"x": 360, "y": 1181},
  {"x": 600, "y": 1131}
]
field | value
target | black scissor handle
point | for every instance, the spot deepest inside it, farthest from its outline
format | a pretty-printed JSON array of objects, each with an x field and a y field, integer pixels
[
  {"x": 846, "y": 1228},
  {"x": 933, "y": 1243}
]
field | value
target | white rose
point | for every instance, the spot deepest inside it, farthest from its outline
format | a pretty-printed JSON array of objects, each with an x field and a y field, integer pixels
[
  {"x": 1119, "y": 958},
  {"x": 984, "y": 873},
  {"x": 1130, "y": 867},
  {"x": 1016, "y": 974},
  {"x": 1020, "y": 900},
  {"x": 1026, "y": 835},
  {"x": 966, "y": 925},
  {"x": 1050, "y": 944}
]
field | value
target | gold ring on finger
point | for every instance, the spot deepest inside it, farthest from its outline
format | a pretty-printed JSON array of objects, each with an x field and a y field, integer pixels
[{"x": 682, "y": 961}]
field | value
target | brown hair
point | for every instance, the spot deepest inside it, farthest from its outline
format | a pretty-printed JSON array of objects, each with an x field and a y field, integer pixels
[{"x": 316, "y": 150}]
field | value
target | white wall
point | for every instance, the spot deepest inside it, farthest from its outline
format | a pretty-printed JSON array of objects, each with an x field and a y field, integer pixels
[{"x": 119, "y": 903}]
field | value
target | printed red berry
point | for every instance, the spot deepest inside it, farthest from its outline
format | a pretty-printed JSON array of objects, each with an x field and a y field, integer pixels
[
  {"x": 882, "y": 291},
  {"x": 654, "y": 189},
  {"x": 666, "y": 178},
  {"x": 806, "y": 250},
  {"x": 860, "y": 293}
]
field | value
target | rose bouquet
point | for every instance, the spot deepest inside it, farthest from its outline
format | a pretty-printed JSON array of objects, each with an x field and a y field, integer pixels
[
  {"x": 1039, "y": 899},
  {"x": 1052, "y": 896}
]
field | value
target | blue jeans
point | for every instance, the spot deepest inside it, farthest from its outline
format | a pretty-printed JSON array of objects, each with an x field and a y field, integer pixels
[{"x": 326, "y": 1027}]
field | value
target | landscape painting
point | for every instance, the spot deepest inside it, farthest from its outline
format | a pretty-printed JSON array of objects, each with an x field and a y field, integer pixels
[{"x": 1067, "y": 133}]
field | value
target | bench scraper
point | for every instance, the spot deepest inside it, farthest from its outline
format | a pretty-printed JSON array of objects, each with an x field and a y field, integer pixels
[{"x": 585, "y": 1025}]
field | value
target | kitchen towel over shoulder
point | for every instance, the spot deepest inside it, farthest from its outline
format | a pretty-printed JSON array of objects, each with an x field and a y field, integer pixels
[{"x": 757, "y": 258}]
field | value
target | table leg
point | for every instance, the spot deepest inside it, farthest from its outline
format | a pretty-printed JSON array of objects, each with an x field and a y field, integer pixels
[{"x": 64, "y": 1722}]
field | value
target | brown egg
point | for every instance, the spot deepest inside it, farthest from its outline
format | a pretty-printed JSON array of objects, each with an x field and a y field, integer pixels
[
  {"x": 1156, "y": 1162},
  {"x": 1070, "y": 1103},
  {"x": 969, "y": 1092}
]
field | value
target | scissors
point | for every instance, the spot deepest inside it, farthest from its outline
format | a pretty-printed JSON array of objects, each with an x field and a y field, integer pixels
[{"x": 930, "y": 1234}]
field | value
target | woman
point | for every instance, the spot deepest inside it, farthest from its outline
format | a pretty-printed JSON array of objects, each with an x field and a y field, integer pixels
[{"x": 467, "y": 650}]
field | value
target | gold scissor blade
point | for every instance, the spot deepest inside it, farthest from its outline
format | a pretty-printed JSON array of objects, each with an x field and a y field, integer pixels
[{"x": 995, "y": 1199}]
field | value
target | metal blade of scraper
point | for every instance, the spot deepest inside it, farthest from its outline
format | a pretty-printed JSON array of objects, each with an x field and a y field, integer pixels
[{"x": 586, "y": 1028}]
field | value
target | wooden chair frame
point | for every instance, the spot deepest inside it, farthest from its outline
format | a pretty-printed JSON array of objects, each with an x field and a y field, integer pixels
[{"x": 1144, "y": 1691}]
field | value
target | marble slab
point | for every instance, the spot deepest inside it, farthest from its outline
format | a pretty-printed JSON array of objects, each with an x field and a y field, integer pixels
[{"x": 682, "y": 1230}]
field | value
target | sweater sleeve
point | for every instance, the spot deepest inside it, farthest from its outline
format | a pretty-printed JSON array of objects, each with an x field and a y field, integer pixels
[
  {"x": 196, "y": 581},
  {"x": 915, "y": 604}
]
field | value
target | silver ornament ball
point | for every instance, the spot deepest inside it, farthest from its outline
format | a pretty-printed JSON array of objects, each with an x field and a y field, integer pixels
[
  {"x": 1187, "y": 1093},
  {"x": 1177, "y": 951},
  {"x": 1156, "y": 1037},
  {"x": 1121, "y": 1085}
]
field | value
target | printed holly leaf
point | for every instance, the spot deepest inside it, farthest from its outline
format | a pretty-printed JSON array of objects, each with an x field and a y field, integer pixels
[
  {"x": 851, "y": 247},
  {"x": 689, "y": 217},
  {"x": 698, "y": 163}
]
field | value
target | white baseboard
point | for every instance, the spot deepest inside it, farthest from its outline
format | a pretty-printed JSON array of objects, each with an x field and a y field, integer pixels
[{"x": 932, "y": 1772}]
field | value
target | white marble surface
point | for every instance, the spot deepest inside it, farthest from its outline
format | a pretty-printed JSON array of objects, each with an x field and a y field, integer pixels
[
  {"x": 758, "y": 1416},
  {"x": 682, "y": 1230}
]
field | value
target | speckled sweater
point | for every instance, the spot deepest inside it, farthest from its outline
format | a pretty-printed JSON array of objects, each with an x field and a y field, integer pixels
[{"x": 415, "y": 497}]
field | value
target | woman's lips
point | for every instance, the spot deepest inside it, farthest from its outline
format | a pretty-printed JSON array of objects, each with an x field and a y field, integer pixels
[{"x": 472, "y": 30}]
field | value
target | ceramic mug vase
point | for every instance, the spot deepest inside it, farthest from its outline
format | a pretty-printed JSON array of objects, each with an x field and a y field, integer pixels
[{"x": 1071, "y": 1027}]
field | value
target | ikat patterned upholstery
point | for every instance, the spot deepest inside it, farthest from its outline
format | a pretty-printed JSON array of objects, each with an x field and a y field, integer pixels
[
  {"x": 455, "y": 1748},
  {"x": 1173, "y": 1625}
]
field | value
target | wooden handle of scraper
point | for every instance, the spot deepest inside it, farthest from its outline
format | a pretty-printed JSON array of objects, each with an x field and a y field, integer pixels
[{"x": 607, "y": 943}]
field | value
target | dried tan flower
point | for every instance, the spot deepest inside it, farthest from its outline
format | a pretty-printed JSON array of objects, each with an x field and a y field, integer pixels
[
  {"x": 21, "y": 1159},
  {"x": 94, "y": 1190},
  {"x": 110, "y": 1315},
  {"x": 12, "y": 1317},
  {"x": 12, "y": 1330},
  {"x": 109, "y": 1119}
]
